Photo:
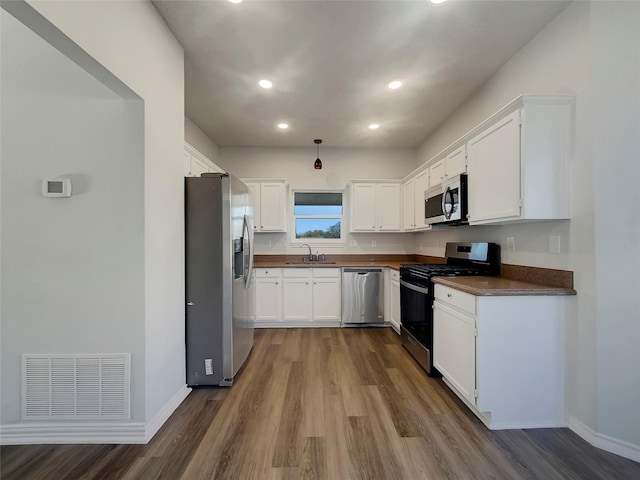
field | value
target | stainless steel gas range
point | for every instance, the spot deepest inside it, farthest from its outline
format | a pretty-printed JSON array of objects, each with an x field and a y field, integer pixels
[{"x": 416, "y": 293}]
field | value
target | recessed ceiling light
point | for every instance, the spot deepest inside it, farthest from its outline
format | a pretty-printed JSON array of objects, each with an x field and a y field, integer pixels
[
  {"x": 395, "y": 84},
  {"x": 235, "y": 1},
  {"x": 374, "y": 126},
  {"x": 283, "y": 126},
  {"x": 436, "y": 2},
  {"x": 265, "y": 83}
]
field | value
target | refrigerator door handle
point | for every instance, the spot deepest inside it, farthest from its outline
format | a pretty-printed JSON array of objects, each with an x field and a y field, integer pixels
[{"x": 248, "y": 231}]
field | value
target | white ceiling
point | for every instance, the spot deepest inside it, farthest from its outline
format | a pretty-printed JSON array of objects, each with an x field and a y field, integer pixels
[{"x": 330, "y": 62}]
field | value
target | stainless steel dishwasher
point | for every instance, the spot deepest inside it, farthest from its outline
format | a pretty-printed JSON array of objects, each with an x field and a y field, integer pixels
[{"x": 362, "y": 296}]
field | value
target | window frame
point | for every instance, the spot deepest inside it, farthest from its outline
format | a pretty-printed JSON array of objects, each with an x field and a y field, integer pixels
[{"x": 325, "y": 242}]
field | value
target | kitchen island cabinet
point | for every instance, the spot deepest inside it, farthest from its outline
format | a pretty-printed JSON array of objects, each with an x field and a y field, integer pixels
[{"x": 503, "y": 356}]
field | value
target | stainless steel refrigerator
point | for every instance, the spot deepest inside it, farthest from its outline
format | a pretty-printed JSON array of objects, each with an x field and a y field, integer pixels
[{"x": 220, "y": 308}]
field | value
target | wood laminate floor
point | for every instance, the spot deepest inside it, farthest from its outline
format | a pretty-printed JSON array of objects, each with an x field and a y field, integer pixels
[{"x": 326, "y": 403}]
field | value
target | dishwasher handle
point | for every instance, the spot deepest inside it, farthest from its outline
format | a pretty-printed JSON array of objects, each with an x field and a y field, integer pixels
[{"x": 362, "y": 271}]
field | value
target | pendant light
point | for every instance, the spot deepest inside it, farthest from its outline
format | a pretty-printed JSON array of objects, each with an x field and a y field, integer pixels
[{"x": 318, "y": 163}]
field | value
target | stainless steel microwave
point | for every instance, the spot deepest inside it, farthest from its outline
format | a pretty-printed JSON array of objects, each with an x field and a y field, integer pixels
[{"x": 447, "y": 203}]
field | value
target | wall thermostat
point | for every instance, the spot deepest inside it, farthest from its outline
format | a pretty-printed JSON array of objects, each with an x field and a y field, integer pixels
[{"x": 56, "y": 187}]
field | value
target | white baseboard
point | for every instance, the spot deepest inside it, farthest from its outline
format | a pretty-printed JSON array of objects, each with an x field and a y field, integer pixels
[
  {"x": 297, "y": 324},
  {"x": 604, "y": 442},
  {"x": 165, "y": 412},
  {"x": 33, "y": 433}
]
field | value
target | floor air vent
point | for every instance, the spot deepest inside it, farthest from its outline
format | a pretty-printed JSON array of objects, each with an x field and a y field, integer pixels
[{"x": 79, "y": 387}]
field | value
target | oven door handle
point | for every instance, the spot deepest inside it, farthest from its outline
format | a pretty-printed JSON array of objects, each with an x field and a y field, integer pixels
[{"x": 415, "y": 288}]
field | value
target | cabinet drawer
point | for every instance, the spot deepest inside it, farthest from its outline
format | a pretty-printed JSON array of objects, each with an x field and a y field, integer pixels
[
  {"x": 456, "y": 298},
  {"x": 395, "y": 275},
  {"x": 326, "y": 272},
  {"x": 296, "y": 272},
  {"x": 268, "y": 272}
]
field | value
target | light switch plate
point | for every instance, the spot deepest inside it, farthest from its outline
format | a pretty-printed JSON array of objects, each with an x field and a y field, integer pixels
[
  {"x": 554, "y": 244},
  {"x": 511, "y": 244},
  {"x": 353, "y": 243}
]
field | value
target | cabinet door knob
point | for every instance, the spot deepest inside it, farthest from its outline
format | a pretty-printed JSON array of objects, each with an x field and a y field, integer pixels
[{"x": 449, "y": 295}]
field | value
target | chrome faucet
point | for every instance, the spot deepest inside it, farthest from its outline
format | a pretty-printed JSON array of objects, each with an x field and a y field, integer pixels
[{"x": 310, "y": 254}]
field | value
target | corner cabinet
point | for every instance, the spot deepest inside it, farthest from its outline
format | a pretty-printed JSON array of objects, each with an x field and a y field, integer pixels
[
  {"x": 503, "y": 356},
  {"x": 269, "y": 198},
  {"x": 375, "y": 206},
  {"x": 518, "y": 161}
]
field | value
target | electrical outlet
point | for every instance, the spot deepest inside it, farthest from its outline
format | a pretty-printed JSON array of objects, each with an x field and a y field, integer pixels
[
  {"x": 511, "y": 244},
  {"x": 554, "y": 244},
  {"x": 373, "y": 243}
]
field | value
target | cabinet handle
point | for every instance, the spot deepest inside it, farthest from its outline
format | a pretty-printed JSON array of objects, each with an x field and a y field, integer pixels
[
  {"x": 449, "y": 295},
  {"x": 276, "y": 283}
]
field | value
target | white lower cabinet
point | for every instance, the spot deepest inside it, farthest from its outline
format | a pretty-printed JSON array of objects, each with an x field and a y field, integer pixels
[
  {"x": 296, "y": 295},
  {"x": 307, "y": 297},
  {"x": 327, "y": 296},
  {"x": 268, "y": 296},
  {"x": 394, "y": 296},
  {"x": 503, "y": 356}
]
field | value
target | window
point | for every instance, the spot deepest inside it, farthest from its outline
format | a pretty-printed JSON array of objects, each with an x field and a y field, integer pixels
[{"x": 317, "y": 216}]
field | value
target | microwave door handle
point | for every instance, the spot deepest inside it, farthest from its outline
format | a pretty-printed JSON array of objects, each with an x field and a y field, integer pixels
[{"x": 447, "y": 215}]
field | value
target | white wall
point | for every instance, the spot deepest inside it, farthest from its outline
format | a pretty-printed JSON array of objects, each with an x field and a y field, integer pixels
[
  {"x": 199, "y": 140},
  {"x": 615, "y": 76},
  {"x": 339, "y": 166},
  {"x": 133, "y": 43},
  {"x": 591, "y": 50},
  {"x": 72, "y": 268}
]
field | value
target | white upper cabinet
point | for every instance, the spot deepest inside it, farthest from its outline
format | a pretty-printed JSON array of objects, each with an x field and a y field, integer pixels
[
  {"x": 456, "y": 162},
  {"x": 388, "y": 207},
  {"x": 518, "y": 162},
  {"x": 420, "y": 185},
  {"x": 195, "y": 163},
  {"x": 363, "y": 211},
  {"x": 375, "y": 207},
  {"x": 269, "y": 204},
  {"x": 436, "y": 173},
  {"x": 408, "y": 205},
  {"x": 413, "y": 202},
  {"x": 494, "y": 171}
]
